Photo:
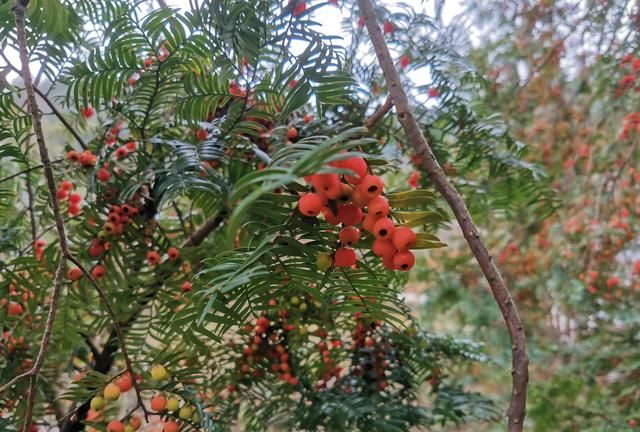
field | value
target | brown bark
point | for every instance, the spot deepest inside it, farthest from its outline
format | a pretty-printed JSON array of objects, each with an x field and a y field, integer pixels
[{"x": 520, "y": 360}]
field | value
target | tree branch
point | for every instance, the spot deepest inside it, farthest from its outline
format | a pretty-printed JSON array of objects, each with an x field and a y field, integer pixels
[
  {"x": 520, "y": 360},
  {"x": 205, "y": 229},
  {"x": 379, "y": 113}
]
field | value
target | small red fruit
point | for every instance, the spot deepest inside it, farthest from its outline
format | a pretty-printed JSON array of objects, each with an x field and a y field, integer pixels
[
  {"x": 202, "y": 134},
  {"x": 86, "y": 112},
  {"x": 383, "y": 248},
  {"x": 307, "y": 118},
  {"x": 349, "y": 235},
  {"x": 124, "y": 382},
  {"x": 345, "y": 257},
  {"x": 350, "y": 214},
  {"x": 74, "y": 210},
  {"x": 387, "y": 27},
  {"x": 328, "y": 184},
  {"x": 62, "y": 194},
  {"x": 404, "y": 238},
  {"x": 153, "y": 257},
  {"x": 371, "y": 186},
  {"x": 356, "y": 164},
  {"x": 171, "y": 426},
  {"x": 405, "y": 60},
  {"x": 173, "y": 253},
  {"x": 361, "y": 22},
  {"x": 301, "y": 6},
  {"x": 103, "y": 175},
  {"x": 310, "y": 204},
  {"x": 433, "y": 92},
  {"x": 73, "y": 156},
  {"x": 115, "y": 426},
  {"x": 292, "y": 133},
  {"x": 98, "y": 272},
  {"x": 369, "y": 341},
  {"x": 330, "y": 217},
  {"x": 74, "y": 274},
  {"x": 66, "y": 185},
  {"x": 158, "y": 403},
  {"x": 378, "y": 206},
  {"x": 369, "y": 222},
  {"x": 14, "y": 309},
  {"x": 384, "y": 228},
  {"x": 186, "y": 287},
  {"x": 75, "y": 198},
  {"x": 404, "y": 260},
  {"x": 131, "y": 146}
]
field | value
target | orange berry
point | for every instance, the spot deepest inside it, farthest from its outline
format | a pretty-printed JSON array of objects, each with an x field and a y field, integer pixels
[
  {"x": 124, "y": 382},
  {"x": 369, "y": 222},
  {"x": 330, "y": 217},
  {"x": 327, "y": 184},
  {"x": 87, "y": 158},
  {"x": 358, "y": 165},
  {"x": 14, "y": 309},
  {"x": 383, "y": 248},
  {"x": 371, "y": 186},
  {"x": 73, "y": 156},
  {"x": 98, "y": 272},
  {"x": 384, "y": 228},
  {"x": 103, "y": 175},
  {"x": 158, "y": 403},
  {"x": 135, "y": 422},
  {"x": 292, "y": 133},
  {"x": 131, "y": 146},
  {"x": 387, "y": 262},
  {"x": 350, "y": 214},
  {"x": 404, "y": 238},
  {"x": 359, "y": 198},
  {"x": 121, "y": 153},
  {"x": 173, "y": 253},
  {"x": 345, "y": 257},
  {"x": 307, "y": 118},
  {"x": 171, "y": 426},
  {"x": 62, "y": 194},
  {"x": 115, "y": 426},
  {"x": 349, "y": 235},
  {"x": 74, "y": 274},
  {"x": 310, "y": 204},
  {"x": 378, "y": 206},
  {"x": 111, "y": 392},
  {"x": 404, "y": 260}
]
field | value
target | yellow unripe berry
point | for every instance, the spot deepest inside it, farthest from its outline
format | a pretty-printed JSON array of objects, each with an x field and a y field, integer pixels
[
  {"x": 323, "y": 261},
  {"x": 97, "y": 403},
  {"x": 129, "y": 428},
  {"x": 111, "y": 392},
  {"x": 159, "y": 373},
  {"x": 173, "y": 404},
  {"x": 186, "y": 412}
]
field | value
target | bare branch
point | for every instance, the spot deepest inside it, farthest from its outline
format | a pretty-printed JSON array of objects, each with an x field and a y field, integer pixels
[
  {"x": 205, "y": 229},
  {"x": 379, "y": 113},
  {"x": 520, "y": 360}
]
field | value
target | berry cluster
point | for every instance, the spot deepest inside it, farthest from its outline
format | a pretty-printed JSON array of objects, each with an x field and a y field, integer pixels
[
  {"x": 85, "y": 158},
  {"x": 64, "y": 193},
  {"x": 342, "y": 199}
]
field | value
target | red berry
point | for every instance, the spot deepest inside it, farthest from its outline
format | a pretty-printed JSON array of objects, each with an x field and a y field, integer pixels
[
  {"x": 171, "y": 426},
  {"x": 131, "y": 146},
  {"x": 383, "y": 248},
  {"x": 86, "y": 112},
  {"x": 186, "y": 286},
  {"x": 14, "y": 309},
  {"x": 360, "y": 198},
  {"x": 301, "y": 6},
  {"x": 66, "y": 185},
  {"x": 121, "y": 153},
  {"x": 62, "y": 194},
  {"x": 369, "y": 222},
  {"x": 98, "y": 271},
  {"x": 292, "y": 133},
  {"x": 404, "y": 260},
  {"x": 378, "y": 206},
  {"x": 350, "y": 214},
  {"x": 369, "y": 341},
  {"x": 310, "y": 204},
  {"x": 73, "y": 156},
  {"x": 328, "y": 184},
  {"x": 405, "y": 60},
  {"x": 433, "y": 92},
  {"x": 356, "y": 164},
  {"x": 103, "y": 175},
  {"x": 40, "y": 243},
  {"x": 361, "y": 22},
  {"x": 387, "y": 27},
  {"x": 371, "y": 186},
  {"x": 87, "y": 158},
  {"x": 307, "y": 118},
  {"x": 384, "y": 228},
  {"x": 124, "y": 382},
  {"x": 153, "y": 257},
  {"x": 349, "y": 235},
  {"x": 387, "y": 262},
  {"x": 75, "y": 198},
  {"x": 173, "y": 253},
  {"x": 330, "y": 217},
  {"x": 115, "y": 426},
  {"x": 202, "y": 134},
  {"x": 74, "y": 210},
  {"x": 345, "y": 257},
  {"x": 74, "y": 274},
  {"x": 158, "y": 403},
  {"x": 404, "y": 238}
]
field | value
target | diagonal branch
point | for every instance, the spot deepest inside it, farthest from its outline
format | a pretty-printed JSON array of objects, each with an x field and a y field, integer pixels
[
  {"x": 379, "y": 113},
  {"x": 520, "y": 360}
]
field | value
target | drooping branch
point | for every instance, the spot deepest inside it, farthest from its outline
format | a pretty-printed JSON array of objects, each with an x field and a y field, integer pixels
[
  {"x": 33, "y": 373},
  {"x": 520, "y": 360}
]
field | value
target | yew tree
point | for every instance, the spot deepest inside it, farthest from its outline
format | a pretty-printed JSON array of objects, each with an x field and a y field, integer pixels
[{"x": 209, "y": 214}]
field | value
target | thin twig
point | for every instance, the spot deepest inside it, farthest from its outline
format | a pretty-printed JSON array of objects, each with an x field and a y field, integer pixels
[
  {"x": 379, "y": 113},
  {"x": 180, "y": 218},
  {"x": 28, "y": 170},
  {"x": 520, "y": 360}
]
